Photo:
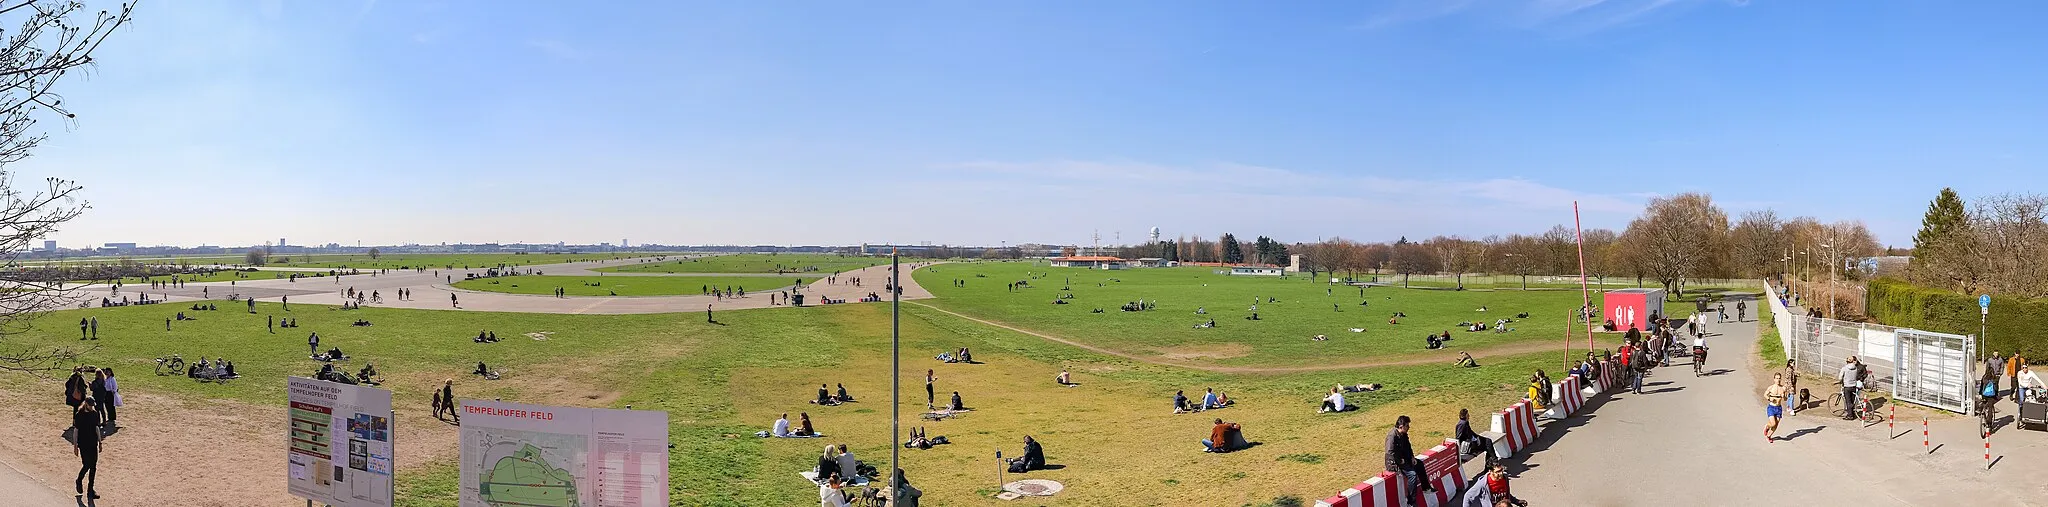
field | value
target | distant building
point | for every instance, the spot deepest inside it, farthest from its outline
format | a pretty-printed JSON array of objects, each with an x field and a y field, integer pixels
[
  {"x": 1088, "y": 262},
  {"x": 49, "y": 245},
  {"x": 1257, "y": 271},
  {"x": 121, "y": 246},
  {"x": 1151, "y": 262}
]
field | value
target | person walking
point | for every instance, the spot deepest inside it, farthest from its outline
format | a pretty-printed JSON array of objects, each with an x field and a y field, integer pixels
[
  {"x": 1774, "y": 399},
  {"x": 2012, "y": 371},
  {"x": 313, "y": 344},
  {"x": 929, "y": 378},
  {"x": 1791, "y": 388},
  {"x": 75, "y": 389},
  {"x": 270, "y": 323},
  {"x": 448, "y": 399},
  {"x": 81, "y": 328},
  {"x": 1852, "y": 382},
  {"x": 452, "y": 301},
  {"x": 95, "y": 328},
  {"x": 85, "y": 427},
  {"x": 106, "y": 394},
  {"x": 1741, "y": 311},
  {"x": 1642, "y": 366}
]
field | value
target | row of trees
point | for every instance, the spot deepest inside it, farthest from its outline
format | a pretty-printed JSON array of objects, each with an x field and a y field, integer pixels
[
  {"x": 1678, "y": 237},
  {"x": 1226, "y": 249},
  {"x": 1996, "y": 245}
]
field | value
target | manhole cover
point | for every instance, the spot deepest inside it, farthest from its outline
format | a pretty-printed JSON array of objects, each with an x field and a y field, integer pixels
[{"x": 1034, "y": 487}]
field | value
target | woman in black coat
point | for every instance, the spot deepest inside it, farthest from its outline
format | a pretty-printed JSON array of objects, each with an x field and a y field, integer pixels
[
  {"x": 85, "y": 423},
  {"x": 75, "y": 390}
]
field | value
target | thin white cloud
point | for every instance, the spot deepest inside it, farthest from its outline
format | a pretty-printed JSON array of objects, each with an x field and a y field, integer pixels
[
  {"x": 1564, "y": 17},
  {"x": 557, "y": 49},
  {"x": 1266, "y": 200}
]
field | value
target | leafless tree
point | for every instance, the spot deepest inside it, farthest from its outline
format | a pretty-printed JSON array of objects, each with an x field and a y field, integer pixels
[
  {"x": 53, "y": 41},
  {"x": 1758, "y": 243},
  {"x": 1677, "y": 237}
]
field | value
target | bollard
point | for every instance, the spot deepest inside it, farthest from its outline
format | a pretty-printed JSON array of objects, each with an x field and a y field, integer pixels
[
  {"x": 1923, "y": 436},
  {"x": 1987, "y": 449},
  {"x": 1891, "y": 422}
]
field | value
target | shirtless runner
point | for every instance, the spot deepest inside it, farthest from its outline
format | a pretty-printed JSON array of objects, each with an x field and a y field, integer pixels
[{"x": 1774, "y": 397}]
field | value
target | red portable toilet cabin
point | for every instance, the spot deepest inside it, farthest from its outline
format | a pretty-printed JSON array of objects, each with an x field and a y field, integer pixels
[{"x": 1633, "y": 307}]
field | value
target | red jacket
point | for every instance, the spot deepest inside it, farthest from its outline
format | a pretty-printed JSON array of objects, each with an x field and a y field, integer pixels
[{"x": 1498, "y": 485}]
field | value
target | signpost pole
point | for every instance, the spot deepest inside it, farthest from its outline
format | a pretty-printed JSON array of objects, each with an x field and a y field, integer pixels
[
  {"x": 895, "y": 364},
  {"x": 1983, "y": 316}
]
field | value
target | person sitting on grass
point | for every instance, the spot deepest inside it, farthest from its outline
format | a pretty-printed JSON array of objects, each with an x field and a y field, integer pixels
[
  {"x": 1209, "y": 399},
  {"x": 843, "y": 397},
  {"x": 1465, "y": 360},
  {"x": 1220, "y": 437},
  {"x": 803, "y": 427},
  {"x": 1333, "y": 402},
  {"x": 1063, "y": 378},
  {"x": 1201, "y": 310},
  {"x": 1253, "y": 316},
  {"x": 1180, "y": 403},
  {"x": 828, "y": 464},
  {"x": 367, "y": 374},
  {"x": 966, "y": 356},
  {"x": 1033, "y": 458},
  {"x": 1432, "y": 342},
  {"x": 956, "y": 405},
  {"x": 781, "y": 427},
  {"x": 481, "y": 369},
  {"x": 824, "y": 397}
]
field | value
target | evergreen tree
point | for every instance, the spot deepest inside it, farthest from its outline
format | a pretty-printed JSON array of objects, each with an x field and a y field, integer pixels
[
  {"x": 1232, "y": 252},
  {"x": 1945, "y": 217}
]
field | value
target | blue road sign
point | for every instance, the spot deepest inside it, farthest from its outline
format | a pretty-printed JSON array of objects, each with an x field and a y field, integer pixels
[{"x": 1984, "y": 301}]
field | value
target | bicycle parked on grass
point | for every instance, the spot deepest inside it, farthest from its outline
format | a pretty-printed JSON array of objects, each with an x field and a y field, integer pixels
[
  {"x": 172, "y": 365},
  {"x": 1863, "y": 406}
]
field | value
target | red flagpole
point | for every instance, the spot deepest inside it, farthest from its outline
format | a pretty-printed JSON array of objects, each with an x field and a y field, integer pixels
[{"x": 1585, "y": 294}]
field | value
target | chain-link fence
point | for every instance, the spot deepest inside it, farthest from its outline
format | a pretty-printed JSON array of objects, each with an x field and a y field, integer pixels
[{"x": 1935, "y": 369}]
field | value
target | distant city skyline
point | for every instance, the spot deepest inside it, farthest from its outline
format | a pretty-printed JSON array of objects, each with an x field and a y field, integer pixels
[{"x": 233, "y": 123}]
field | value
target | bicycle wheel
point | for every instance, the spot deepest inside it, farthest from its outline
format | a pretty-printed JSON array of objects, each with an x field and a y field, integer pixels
[{"x": 1835, "y": 405}]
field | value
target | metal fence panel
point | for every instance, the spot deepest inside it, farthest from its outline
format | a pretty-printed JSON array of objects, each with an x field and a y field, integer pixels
[
  {"x": 1935, "y": 369},
  {"x": 1919, "y": 367}
]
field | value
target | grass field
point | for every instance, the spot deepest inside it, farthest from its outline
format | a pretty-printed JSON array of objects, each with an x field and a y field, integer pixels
[
  {"x": 628, "y": 285},
  {"x": 720, "y": 383},
  {"x": 1282, "y": 335},
  {"x": 217, "y": 276},
  {"x": 753, "y": 263}
]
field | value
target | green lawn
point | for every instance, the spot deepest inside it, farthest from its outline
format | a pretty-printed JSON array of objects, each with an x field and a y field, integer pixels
[
  {"x": 628, "y": 285},
  {"x": 1281, "y": 337},
  {"x": 722, "y": 382},
  {"x": 217, "y": 276},
  {"x": 754, "y": 263}
]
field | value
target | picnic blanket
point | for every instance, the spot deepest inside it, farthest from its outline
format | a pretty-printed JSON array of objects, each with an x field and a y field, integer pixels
[
  {"x": 1034, "y": 487},
  {"x": 812, "y": 475}
]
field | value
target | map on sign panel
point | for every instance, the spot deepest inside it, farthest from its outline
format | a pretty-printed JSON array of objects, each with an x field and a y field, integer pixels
[{"x": 530, "y": 469}]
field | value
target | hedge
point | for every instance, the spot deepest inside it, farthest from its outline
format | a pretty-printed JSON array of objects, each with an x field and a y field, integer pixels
[{"x": 2012, "y": 325}]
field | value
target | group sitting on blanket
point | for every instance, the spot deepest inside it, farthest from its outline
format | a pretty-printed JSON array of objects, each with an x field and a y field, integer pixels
[
  {"x": 1210, "y": 400},
  {"x": 959, "y": 356},
  {"x": 827, "y": 398},
  {"x": 220, "y": 369},
  {"x": 782, "y": 428},
  {"x": 485, "y": 337}
]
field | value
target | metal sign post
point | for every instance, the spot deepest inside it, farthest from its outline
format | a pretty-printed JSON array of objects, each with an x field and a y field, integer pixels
[{"x": 1983, "y": 317}]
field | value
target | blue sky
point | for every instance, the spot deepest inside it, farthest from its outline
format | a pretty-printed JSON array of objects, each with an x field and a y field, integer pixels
[{"x": 233, "y": 123}]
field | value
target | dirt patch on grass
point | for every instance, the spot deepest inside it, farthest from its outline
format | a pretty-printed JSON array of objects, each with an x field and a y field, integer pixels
[
  {"x": 154, "y": 458},
  {"x": 1206, "y": 351}
]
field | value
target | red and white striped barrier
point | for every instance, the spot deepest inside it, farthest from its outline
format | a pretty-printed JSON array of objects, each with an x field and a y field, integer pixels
[
  {"x": 1381, "y": 491},
  {"x": 1568, "y": 398},
  {"x": 1443, "y": 470},
  {"x": 1517, "y": 426},
  {"x": 1440, "y": 466}
]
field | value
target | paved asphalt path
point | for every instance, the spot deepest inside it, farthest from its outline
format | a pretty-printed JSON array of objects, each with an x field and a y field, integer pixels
[
  {"x": 1699, "y": 441},
  {"x": 431, "y": 291}
]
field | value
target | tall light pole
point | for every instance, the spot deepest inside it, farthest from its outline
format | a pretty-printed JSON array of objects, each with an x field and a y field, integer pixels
[{"x": 1831, "y": 278}]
